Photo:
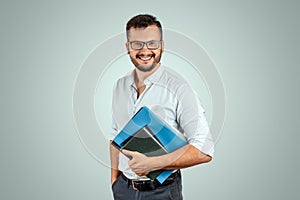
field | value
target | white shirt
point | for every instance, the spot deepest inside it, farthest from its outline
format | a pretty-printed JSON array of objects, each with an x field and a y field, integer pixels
[{"x": 172, "y": 99}]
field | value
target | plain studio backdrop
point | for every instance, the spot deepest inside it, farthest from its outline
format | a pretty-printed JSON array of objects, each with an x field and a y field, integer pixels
[{"x": 254, "y": 45}]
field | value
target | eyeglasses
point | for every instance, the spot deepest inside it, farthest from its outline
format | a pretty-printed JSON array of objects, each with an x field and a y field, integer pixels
[{"x": 151, "y": 45}]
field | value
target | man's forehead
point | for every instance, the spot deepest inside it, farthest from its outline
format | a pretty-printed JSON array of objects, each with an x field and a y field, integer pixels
[{"x": 150, "y": 32}]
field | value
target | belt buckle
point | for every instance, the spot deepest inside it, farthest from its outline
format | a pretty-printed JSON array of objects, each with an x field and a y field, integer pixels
[{"x": 133, "y": 184}]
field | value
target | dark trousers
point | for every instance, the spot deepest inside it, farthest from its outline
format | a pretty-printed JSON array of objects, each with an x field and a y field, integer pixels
[{"x": 123, "y": 191}]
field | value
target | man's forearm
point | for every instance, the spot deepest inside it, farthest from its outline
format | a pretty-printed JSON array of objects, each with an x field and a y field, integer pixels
[
  {"x": 114, "y": 162},
  {"x": 183, "y": 157},
  {"x": 186, "y": 156}
]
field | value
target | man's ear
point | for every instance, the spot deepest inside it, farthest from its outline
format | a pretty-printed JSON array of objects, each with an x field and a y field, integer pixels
[
  {"x": 127, "y": 47},
  {"x": 162, "y": 46}
]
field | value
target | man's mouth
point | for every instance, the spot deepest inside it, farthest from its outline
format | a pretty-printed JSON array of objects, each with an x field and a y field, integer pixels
[{"x": 145, "y": 57}]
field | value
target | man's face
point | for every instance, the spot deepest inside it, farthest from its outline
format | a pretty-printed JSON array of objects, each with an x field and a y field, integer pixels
[{"x": 145, "y": 59}]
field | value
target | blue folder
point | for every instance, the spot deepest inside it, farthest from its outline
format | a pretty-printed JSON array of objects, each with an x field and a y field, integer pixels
[{"x": 170, "y": 138}]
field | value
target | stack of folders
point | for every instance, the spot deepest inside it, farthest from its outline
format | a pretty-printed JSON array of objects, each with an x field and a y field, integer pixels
[{"x": 150, "y": 135}]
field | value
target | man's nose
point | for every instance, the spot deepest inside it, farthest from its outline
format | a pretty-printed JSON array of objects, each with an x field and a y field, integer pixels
[{"x": 145, "y": 48}]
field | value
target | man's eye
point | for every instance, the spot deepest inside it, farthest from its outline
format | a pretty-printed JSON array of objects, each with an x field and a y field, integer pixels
[
  {"x": 137, "y": 44},
  {"x": 152, "y": 43}
]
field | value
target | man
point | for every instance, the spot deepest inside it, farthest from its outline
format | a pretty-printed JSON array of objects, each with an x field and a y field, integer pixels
[{"x": 166, "y": 94}]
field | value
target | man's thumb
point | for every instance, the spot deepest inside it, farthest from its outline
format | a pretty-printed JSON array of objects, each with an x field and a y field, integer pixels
[
  {"x": 125, "y": 151},
  {"x": 128, "y": 153}
]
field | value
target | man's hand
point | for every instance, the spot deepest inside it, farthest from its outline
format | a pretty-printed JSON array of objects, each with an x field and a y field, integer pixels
[
  {"x": 114, "y": 175},
  {"x": 139, "y": 163}
]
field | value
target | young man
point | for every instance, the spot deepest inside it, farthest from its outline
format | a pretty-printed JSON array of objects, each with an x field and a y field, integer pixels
[{"x": 166, "y": 94}]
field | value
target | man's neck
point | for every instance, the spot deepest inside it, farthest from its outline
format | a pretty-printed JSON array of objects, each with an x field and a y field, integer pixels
[{"x": 140, "y": 76}]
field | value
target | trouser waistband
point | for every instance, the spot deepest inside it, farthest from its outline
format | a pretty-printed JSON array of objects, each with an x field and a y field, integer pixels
[{"x": 144, "y": 185}]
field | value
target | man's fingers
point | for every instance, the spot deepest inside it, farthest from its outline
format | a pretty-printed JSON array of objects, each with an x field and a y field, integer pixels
[{"x": 128, "y": 153}]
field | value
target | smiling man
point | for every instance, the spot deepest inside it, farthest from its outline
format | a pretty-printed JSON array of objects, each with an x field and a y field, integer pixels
[
  {"x": 168, "y": 95},
  {"x": 145, "y": 59}
]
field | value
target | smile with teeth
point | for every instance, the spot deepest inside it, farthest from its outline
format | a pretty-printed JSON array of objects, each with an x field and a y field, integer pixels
[{"x": 145, "y": 57}]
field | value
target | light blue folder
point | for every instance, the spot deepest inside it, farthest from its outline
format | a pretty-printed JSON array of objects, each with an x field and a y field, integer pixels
[{"x": 170, "y": 138}]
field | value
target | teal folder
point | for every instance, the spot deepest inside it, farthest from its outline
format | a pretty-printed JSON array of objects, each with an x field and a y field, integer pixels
[
  {"x": 145, "y": 142},
  {"x": 150, "y": 135}
]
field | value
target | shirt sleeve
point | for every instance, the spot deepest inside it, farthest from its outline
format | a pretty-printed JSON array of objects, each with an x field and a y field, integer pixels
[
  {"x": 114, "y": 129},
  {"x": 191, "y": 119},
  {"x": 114, "y": 126}
]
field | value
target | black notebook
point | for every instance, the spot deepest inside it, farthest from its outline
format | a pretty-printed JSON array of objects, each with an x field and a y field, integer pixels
[{"x": 145, "y": 142}]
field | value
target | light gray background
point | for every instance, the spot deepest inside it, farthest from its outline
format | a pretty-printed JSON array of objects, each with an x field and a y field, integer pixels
[{"x": 255, "y": 45}]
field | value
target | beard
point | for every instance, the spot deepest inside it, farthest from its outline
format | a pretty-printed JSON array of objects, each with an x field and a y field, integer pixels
[{"x": 145, "y": 68}]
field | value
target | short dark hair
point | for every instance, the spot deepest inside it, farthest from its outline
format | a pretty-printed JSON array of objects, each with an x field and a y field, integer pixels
[{"x": 143, "y": 21}]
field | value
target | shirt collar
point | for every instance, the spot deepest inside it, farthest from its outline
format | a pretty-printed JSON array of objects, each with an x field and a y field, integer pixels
[{"x": 153, "y": 78}]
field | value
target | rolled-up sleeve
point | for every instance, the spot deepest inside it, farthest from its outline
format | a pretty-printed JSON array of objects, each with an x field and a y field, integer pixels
[{"x": 191, "y": 119}]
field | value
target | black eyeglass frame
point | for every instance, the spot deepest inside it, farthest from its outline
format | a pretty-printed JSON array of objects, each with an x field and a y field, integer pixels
[{"x": 143, "y": 44}]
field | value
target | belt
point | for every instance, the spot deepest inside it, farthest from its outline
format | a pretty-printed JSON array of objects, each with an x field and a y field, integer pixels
[{"x": 144, "y": 185}]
